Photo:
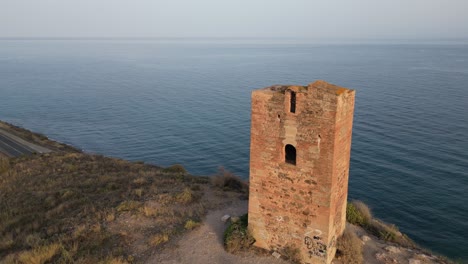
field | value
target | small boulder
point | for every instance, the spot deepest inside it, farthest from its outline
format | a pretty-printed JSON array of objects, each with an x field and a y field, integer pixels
[
  {"x": 225, "y": 218},
  {"x": 414, "y": 261},
  {"x": 365, "y": 239},
  {"x": 381, "y": 256},
  {"x": 276, "y": 255},
  {"x": 392, "y": 249}
]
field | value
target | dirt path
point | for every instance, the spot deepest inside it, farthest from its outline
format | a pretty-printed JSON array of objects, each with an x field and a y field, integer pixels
[{"x": 204, "y": 244}]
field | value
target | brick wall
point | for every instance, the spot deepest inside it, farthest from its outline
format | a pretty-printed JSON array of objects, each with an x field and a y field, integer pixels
[{"x": 300, "y": 206}]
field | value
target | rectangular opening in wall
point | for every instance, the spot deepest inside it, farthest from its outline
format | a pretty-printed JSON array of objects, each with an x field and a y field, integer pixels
[{"x": 292, "y": 103}]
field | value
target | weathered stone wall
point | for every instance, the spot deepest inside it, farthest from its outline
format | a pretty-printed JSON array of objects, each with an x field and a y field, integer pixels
[{"x": 300, "y": 206}]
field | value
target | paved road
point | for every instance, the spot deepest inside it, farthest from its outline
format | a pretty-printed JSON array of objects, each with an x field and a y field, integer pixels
[{"x": 13, "y": 148}]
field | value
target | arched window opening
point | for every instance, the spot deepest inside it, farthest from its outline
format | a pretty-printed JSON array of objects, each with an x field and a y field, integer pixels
[
  {"x": 292, "y": 102},
  {"x": 290, "y": 154}
]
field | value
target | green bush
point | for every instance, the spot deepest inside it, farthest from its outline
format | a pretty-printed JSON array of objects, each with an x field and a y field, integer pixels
[
  {"x": 237, "y": 236},
  {"x": 353, "y": 216},
  {"x": 358, "y": 213}
]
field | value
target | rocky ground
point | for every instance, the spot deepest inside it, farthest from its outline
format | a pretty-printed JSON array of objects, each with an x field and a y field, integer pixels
[{"x": 378, "y": 251}]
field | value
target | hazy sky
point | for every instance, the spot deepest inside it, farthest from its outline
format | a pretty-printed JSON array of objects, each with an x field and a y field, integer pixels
[{"x": 316, "y": 19}]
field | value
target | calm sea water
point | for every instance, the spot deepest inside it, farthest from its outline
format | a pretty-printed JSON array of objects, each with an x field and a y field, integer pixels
[{"x": 188, "y": 102}]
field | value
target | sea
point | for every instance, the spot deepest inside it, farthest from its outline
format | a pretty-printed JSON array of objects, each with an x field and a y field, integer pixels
[{"x": 187, "y": 101}]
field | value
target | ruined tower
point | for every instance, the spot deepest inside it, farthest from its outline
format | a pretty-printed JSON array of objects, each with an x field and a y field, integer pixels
[{"x": 299, "y": 164}]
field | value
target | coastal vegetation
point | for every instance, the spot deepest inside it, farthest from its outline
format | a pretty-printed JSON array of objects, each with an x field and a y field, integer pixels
[
  {"x": 358, "y": 213},
  {"x": 236, "y": 235},
  {"x": 349, "y": 248},
  {"x": 4, "y": 164},
  {"x": 81, "y": 208},
  {"x": 72, "y": 207},
  {"x": 228, "y": 181}
]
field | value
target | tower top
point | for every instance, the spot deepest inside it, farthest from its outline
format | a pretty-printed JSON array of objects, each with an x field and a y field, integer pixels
[{"x": 317, "y": 85}]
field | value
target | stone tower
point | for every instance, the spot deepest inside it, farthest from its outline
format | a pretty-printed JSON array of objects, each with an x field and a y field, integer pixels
[{"x": 299, "y": 164}]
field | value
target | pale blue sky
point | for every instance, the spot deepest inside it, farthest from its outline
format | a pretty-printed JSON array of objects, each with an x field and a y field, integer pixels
[{"x": 309, "y": 19}]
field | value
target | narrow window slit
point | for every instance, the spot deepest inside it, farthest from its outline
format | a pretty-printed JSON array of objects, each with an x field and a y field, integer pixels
[
  {"x": 290, "y": 154},
  {"x": 292, "y": 103}
]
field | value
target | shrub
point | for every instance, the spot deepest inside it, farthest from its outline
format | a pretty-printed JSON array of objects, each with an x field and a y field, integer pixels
[
  {"x": 364, "y": 210},
  {"x": 228, "y": 181},
  {"x": 6, "y": 241},
  {"x": 149, "y": 211},
  {"x": 4, "y": 165},
  {"x": 39, "y": 255},
  {"x": 158, "y": 239},
  {"x": 358, "y": 213},
  {"x": 185, "y": 197},
  {"x": 291, "y": 253},
  {"x": 190, "y": 224},
  {"x": 389, "y": 232},
  {"x": 349, "y": 248},
  {"x": 128, "y": 206},
  {"x": 112, "y": 260},
  {"x": 175, "y": 169},
  {"x": 138, "y": 192},
  {"x": 237, "y": 236}
]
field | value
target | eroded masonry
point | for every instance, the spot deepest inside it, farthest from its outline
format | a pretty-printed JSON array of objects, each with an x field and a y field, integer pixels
[{"x": 299, "y": 166}]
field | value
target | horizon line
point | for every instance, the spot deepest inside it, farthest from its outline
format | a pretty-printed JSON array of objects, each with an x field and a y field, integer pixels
[{"x": 228, "y": 38}]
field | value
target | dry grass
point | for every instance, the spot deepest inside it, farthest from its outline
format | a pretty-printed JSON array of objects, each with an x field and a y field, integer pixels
[
  {"x": 158, "y": 239},
  {"x": 186, "y": 196},
  {"x": 118, "y": 260},
  {"x": 72, "y": 208},
  {"x": 4, "y": 164},
  {"x": 363, "y": 210},
  {"x": 191, "y": 224},
  {"x": 358, "y": 213},
  {"x": 389, "y": 232},
  {"x": 229, "y": 182},
  {"x": 39, "y": 255},
  {"x": 128, "y": 206},
  {"x": 291, "y": 253},
  {"x": 349, "y": 248}
]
